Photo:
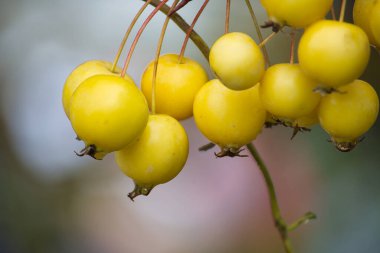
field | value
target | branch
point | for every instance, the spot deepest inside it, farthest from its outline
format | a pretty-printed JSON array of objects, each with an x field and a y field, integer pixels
[
  {"x": 278, "y": 220},
  {"x": 184, "y": 26},
  {"x": 280, "y": 223}
]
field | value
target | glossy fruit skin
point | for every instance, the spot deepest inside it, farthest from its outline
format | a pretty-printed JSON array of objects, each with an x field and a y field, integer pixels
[
  {"x": 81, "y": 73},
  {"x": 228, "y": 118},
  {"x": 287, "y": 93},
  {"x": 362, "y": 13},
  {"x": 366, "y": 14},
  {"x": 158, "y": 155},
  {"x": 298, "y": 14},
  {"x": 176, "y": 85},
  {"x": 333, "y": 53},
  {"x": 349, "y": 113},
  {"x": 375, "y": 24},
  {"x": 307, "y": 120},
  {"x": 237, "y": 61},
  {"x": 109, "y": 112}
]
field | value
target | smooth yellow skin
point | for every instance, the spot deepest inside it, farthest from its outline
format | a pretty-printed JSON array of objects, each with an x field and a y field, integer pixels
[
  {"x": 287, "y": 93},
  {"x": 307, "y": 120},
  {"x": 366, "y": 14},
  {"x": 108, "y": 112},
  {"x": 237, "y": 61},
  {"x": 333, "y": 53},
  {"x": 81, "y": 73},
  {"x": 176, "y": 85},
  {"x": 296, "y": 13},
  {"x": 158, "y": 155},
  {"x": 303, "y": 121},
  {"x": 230, "y": 119},
  {"x": 349, "y": 113},
  {"x": 374, "y": 24}
]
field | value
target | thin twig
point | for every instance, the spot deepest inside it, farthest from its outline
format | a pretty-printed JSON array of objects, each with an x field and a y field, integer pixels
[
  {"x": 292, "y": 45},
  {"x": 276, "y": 214},
  {"x": 178, "y": 7},
  {"x": 227, "y": 21},
  {"x": 157, "y": 56},
  {"x": 267, "y": 39},
  {"x": 332, "y": 11},
  {"x": 303, "y": 220},
  {"x": 184, "y": 26},
  {"x": 258, "y": 31},
  {"x": 342, "y": 10},
  {"x": 128, "y": 32},
  {"x": 190, "y": 30},
  {"x": 134, "y": 43}
]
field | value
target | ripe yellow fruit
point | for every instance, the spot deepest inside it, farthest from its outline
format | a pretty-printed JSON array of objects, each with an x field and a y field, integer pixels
[
  {"x": 333, "y": 53},
  {"x": 366, "y": 14},
  {"x": 108, "y": 113},
  {"x": 287, "y": 93},
  {"x": 237, "y": 61},
  {"x": 298, "y": 14},
  {"x": 228, "y": 118},
  {"x": 176, "y": 85},
  {"x": 374, "y": 24},
  {"x": 157, "y": 156},
  {"x": 81, "y": 73},
  {"x": 349, "y": 113},
  {"x": 307, "y": 120}
]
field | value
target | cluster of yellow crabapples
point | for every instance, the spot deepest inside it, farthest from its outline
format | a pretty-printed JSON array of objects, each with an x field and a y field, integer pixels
[{"x": 110, "y": 113}]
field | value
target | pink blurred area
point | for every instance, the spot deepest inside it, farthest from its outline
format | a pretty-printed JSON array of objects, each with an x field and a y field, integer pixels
[{"x": 214, "y": 205}]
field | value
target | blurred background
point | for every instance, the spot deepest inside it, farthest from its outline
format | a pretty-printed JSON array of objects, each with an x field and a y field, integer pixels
[{"x": 53, "y": 201}]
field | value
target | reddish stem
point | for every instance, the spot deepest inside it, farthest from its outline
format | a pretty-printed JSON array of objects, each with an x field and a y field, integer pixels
[
  {"x": 157, "y": 56},
  {"x": 258, "y": 31},
  {"x": 332, "y": 10},
  {"x": 128, "y": 32},
  {"x": 138, "y": 35},
  {"x": 267, "y": 39},
  {"x": 190, "y": 30},
  {"x": 342, "y": 10},
  {"x": 179, "y": 6},
  {"x": 292, "y": 45},
  {"x": 228, "y": 10}
]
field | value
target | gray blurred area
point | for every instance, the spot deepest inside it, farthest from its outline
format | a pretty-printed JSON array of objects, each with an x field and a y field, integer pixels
[{"x": 53, "y": 201}]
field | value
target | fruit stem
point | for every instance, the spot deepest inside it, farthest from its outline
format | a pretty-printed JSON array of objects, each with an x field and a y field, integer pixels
[
  {"x": 158, "y": 51},
  {"x": 307, "y": 217},
  {"x": 181, "y": 23},
  {"x": 276, "y": 214},
  {"x": 342, "y": 10},
  {"x": 258, "y": 31},
  {"x": 332, "y": 11},
  {"x": 87, "y": 150},
  {"x": 227, "y": 21},
  {"x": 292, "y": 45},
  {"x": 280, "y": 223},
  {"x": 189, "y": 31},
  {"x": 179, "y": 6},
  {"x": 127, "y": 33},
  {"x": 207, "y": 146},
  {"x": 134, "y": 43},
  {"x": 139, "y": 190},
  {"x": 270, "y": 36}
]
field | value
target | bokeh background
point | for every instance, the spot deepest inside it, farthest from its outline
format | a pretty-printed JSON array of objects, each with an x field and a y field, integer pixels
[{"x": 53, "y": 201}]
